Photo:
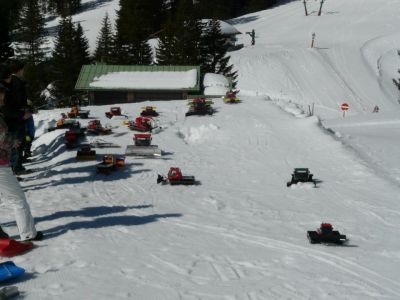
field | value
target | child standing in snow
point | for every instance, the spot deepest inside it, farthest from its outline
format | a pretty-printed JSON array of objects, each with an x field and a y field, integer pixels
[{"x": 10, "y": 190}]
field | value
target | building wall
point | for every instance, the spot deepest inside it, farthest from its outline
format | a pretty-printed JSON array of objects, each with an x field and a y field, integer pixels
[{"x": 112, "y": 97}]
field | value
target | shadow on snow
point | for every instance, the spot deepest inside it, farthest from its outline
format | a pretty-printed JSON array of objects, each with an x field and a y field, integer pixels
[{"x": 106, "y": 222}]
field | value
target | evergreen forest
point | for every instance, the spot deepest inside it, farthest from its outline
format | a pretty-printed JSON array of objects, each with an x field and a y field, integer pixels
[{"x": 188, "y": 33}]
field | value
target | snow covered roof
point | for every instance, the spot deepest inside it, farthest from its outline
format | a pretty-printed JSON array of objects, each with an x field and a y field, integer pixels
[{"x": 118, "y": 77}]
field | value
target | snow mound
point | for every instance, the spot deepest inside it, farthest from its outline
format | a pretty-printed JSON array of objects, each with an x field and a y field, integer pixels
[
  {"x": 197, "y": 135},
  {"x": 215, "y": 84},
  {"x": 215, "y": 91},
  {"x": 211, "y": 79}
]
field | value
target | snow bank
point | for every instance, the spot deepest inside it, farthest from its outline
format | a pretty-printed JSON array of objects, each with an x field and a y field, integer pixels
[
  {"x": 147, "y": 80},
  {"x": 197, "y": 135},
  {"x": 215, "y": 84},
  {"x": 211, "y": 79},
  {"x": 215, "y": 91}
]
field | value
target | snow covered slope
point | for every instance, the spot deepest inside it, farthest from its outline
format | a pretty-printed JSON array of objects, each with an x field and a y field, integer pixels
[
  {"x": 354, "y": 58},
  {"x": 241, "y": 234}
]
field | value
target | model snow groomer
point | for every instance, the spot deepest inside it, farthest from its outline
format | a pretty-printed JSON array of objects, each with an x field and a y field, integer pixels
[
  {"x": 65, "y": 123},
  {"x": 95, "y": 127},
  {"x": 175, "y": 177},
  {"x": 78, "y": 113},
  {"x": 326, "y": 234},
  {"x": 142, "y": 146},
  {"x": 301, "y": 175},
  {"x": 200, "y": 106},
  {"x": 149, "y": 111},
  {"x": 231, "y": 97},
  {"x": 114, "y": 111},
  {"x": 86, "y": 153},
  {"x": 110, "y": 163},
  {"x": 143, "y": 124},
  {"x": 71, "y": 139}
]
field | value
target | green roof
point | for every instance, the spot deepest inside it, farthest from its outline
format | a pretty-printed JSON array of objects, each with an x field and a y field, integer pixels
[{"x": 90, "y": 72}]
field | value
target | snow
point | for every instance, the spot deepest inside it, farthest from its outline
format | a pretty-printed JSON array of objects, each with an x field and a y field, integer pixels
[
  {"x": 215, "y": 90},
  {"x": 211, "y": 79},
  {"x": 215, "y": 84},
  {"x": 241, "y": 233},
  {"x": 147, "y": 80},
  {"x": 90, "y": 18}
]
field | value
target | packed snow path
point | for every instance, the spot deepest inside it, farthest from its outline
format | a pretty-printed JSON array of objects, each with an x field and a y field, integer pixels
[{"x": 241, "y": 234}]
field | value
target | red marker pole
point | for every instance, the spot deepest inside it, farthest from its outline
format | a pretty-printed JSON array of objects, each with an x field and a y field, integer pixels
[{"x": 344, "y": 107}]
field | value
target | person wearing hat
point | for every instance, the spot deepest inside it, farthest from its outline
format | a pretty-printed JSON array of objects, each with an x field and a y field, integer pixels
[{"x": 10, "y": 190}]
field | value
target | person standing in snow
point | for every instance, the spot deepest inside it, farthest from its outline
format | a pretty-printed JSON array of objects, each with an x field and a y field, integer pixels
[
  {"x": 18, "y": 86},
  {"x": 13, "y": 114},
  {"x": 10, "y": 190}
]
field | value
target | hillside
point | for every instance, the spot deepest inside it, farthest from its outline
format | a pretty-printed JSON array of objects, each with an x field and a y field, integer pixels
[{"x": 241, "y": 233}]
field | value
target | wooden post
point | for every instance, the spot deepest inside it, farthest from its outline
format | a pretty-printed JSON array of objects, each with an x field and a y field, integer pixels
[
  {"x": 305, "y": 7},
  {"x": 320, "y": 8},
  {"x": 312, "y": 40}
]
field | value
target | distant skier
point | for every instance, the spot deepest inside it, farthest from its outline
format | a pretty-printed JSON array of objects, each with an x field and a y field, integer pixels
[
  {"x": 253, "y": 37},
  {"x": 376, "y": 109}
]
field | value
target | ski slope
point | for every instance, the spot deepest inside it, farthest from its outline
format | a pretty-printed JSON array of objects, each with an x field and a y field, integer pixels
[
  {"x": 241, "y": 234},
  {"x": 354, "y": 58}
]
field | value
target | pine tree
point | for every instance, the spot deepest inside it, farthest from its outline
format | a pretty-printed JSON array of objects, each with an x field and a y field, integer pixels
[
  {"x": 257, "y": 5},
  {"x": 30, "y": 35},
  {"x": 132, "y": 34},
  {"x": 31, "y": 46},
  {"x": 166, "y": 49},
  {"x": 105, "y": 43},
  {"x": 70, "y": 53},
  {"x": 81, "y": 47},
  {"x": 64, "y": 7},
  {"x": 180, "y": 42},
  {"x": 215, "y": 52},
  {"x": 6, "y": 50}
]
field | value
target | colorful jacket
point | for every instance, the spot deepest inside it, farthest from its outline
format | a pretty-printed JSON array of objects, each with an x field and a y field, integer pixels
[{"x": 6, "y": 143}]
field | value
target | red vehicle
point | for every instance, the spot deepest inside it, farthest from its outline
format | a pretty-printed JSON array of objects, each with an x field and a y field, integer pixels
[
  {"x": 71, "y": 138},
  {"x": 142, "y": 124},
  {"x": 95, "y": 127},
  {"x": 114, "y": 111},
  {"x": 94, "y": 124},
  {"x": 200, "y": 106},
  {"x": 143, "y": 146},
  {"x": 142, "y": 139},
  {"x": 326, "y": 235},
  {"x": 175, "y": 177}
]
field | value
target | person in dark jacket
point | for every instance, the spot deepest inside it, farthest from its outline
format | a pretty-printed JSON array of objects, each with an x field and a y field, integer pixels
[
  {"x": 18, "y": 87},
  {"x": 14, "y": 115}
]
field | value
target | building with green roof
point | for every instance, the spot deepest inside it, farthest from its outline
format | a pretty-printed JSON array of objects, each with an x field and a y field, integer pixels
[{"x": 108, "y": 84}]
